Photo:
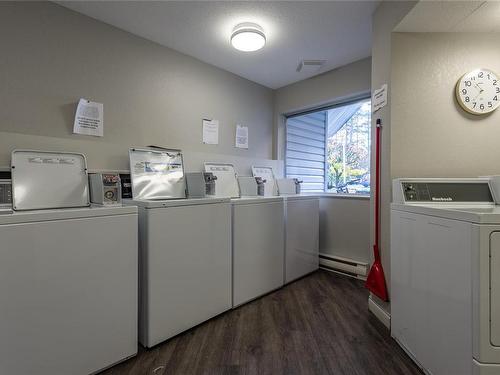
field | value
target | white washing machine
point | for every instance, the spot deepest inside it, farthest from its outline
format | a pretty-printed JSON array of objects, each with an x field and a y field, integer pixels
[
  {"x": 257, "y": 237},
  {"x": 258, "y": 247},
  {"x": 445, "y": 274},
  {"x": 302, "y": 236},
  {"x": 68, "y": 276},
  {"x": 184, "y": 245},
  {"x": 301, "y": 225}
]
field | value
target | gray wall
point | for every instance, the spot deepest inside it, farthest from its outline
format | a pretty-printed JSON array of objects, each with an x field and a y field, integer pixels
[
  {"x": 52, "y": 56},
  {"x": 336, "y": 85},
  {"x": 385, "y": 19},
  {"x": 431, "y": 135},
  {"x": 344, "y": 222},
  {"x": 345, "y": 227}
]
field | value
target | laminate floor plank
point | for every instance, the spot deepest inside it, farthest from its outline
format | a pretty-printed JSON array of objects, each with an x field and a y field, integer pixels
[{"x": 317, "y": 325}]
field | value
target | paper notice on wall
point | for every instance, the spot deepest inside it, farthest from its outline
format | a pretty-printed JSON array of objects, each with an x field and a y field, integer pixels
[
  {"x": 89, "y": 118},
  {"x": 379, "y": 98},
  {"x": 241, "y": 137},
  {"x": 211, "y": 132}
]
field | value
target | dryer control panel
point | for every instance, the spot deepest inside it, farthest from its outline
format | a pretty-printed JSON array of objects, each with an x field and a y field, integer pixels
[{"x": 413, "y": 190}]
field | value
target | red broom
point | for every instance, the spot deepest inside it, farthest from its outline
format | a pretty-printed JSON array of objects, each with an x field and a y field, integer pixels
[{"x": 375, "y": 282}]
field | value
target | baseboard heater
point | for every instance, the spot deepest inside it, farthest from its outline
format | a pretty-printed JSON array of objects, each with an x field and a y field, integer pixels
[{"x": 345, "y": 266}]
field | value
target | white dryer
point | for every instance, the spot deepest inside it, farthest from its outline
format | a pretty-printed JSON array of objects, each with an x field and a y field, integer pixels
[
  {"x": 445, "y": 274},
  {"x": 184, "y": 246},
  {"x": 257, "y": 237},
  {"x": 68, "y": 276}
]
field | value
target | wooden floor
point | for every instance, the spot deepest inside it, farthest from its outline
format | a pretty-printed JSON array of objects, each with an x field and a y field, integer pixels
[{"x": 317, "y": 325}]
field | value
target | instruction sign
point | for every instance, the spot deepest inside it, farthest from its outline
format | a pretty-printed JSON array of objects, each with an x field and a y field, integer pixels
[
  {"x": 241, "y": 140},
  {"x": 379, "y": 98},
  {"x": 89, "y": 118},
  {"x": 210, "y": 132}
]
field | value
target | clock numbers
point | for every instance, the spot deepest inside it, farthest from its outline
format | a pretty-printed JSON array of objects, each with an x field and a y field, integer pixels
[{"x": 478, "y": 92}]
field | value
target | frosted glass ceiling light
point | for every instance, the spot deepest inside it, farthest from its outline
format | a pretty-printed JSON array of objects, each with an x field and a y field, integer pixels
[{"x": 248, "y": 37}]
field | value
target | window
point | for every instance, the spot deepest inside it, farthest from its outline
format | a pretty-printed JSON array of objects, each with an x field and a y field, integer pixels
[{"x": 329, "y": 149}]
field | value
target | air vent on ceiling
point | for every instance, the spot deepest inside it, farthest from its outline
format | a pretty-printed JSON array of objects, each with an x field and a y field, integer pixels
[{"x": 310, "y": 65}]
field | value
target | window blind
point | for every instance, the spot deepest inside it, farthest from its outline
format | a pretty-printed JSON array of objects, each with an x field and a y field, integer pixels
[{"x": 305, "y": 150}]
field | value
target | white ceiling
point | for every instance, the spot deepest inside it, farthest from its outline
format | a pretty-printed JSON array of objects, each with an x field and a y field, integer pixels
[
  {"x": 452, "y": 16},
  {"x": 336, "y": 31}
]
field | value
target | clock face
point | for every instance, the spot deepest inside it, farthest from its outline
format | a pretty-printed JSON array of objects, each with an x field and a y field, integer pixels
[{"x": 478, "y": 92}]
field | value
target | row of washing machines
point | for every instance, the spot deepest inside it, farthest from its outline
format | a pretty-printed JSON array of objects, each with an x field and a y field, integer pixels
[{"x": 69, "y": 270}]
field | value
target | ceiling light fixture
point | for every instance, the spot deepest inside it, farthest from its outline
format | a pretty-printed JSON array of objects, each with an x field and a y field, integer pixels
[{"x": 248, "y": 37}]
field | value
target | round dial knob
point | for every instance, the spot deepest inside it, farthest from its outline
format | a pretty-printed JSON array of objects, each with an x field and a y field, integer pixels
[{"x": 109, "y": 194}]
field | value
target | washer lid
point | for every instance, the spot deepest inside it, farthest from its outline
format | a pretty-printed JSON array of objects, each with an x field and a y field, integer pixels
[
  {"x": 157, "y": 174},
  {"x": 42, "y": 179},
  {"x": 226, "y": 184}
]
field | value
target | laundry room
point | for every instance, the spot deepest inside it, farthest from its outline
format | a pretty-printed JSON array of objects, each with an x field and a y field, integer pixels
[{"x": 249, "y": 187}]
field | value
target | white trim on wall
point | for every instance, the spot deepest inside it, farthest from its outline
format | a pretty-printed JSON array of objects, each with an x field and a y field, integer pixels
[{"x": 379, "y": 313}]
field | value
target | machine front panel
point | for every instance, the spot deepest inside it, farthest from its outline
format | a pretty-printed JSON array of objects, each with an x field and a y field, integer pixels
[{"x": 495, "y": 288}]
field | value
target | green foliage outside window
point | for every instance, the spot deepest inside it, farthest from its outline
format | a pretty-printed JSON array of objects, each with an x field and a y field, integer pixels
[{"x": 348, "y": 154}]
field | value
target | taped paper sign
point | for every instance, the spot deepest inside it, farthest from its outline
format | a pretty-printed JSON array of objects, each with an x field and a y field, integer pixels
[
  {"x": 379, "y": 98},
  {"x": 211, "y": 132},
  {"x": 241, "y": 137},
  {"x": 89, "y": 118}
]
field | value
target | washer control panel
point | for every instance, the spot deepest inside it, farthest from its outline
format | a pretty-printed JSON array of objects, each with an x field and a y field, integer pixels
[
  {"x": 105, "y": 188},
  {"x": 5, "y": 193},
  {"x": 126, "y": 185}
]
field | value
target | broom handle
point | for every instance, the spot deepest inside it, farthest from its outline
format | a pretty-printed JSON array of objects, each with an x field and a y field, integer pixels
[{"x": 377, "y": 189}]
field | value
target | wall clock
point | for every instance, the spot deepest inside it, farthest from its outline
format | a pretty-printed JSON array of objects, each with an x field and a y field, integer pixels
[{"x": 478, "y": 91}]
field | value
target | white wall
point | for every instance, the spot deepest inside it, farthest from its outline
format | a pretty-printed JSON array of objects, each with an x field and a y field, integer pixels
[
  {"x": 344, "y": 222},
  {"x": 52, "y": 56},
  {"x": 431, "y": 135},
  {"x": 385, "y": 19}
]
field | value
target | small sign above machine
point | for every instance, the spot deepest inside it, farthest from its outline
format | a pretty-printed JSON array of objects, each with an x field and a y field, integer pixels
[
  {"x": 42, "y": 180},
  {"x": 105, "y": 188},
  {"x": 157, "y": 174}
]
